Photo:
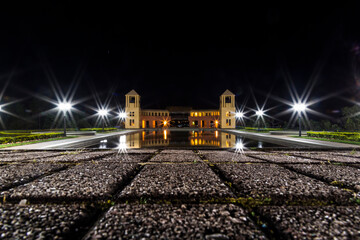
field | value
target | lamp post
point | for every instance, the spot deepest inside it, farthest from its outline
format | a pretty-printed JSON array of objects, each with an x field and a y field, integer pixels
[
  {"x": 239, "y": 115},
  {"x": 64, "y": 107},
  {"x": 299, "y": 108},
  {"x": 103, "y": 113},
  {"x": 122, "y": 116},
  {"x": 259, "y": 113}
]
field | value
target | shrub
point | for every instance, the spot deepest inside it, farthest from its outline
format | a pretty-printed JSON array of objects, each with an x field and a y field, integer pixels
[
  {"x": 29, "y": 137},
  {"x": 348, "y": 136}
]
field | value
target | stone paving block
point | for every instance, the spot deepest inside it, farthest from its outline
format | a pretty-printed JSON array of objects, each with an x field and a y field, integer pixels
[
  {"x": 225, "y": 156},
  {"x": 187, "y": 182},
  {"x": 338, "y": 175},
  {"x": 40, "y": 221},
  {"x": 307, "y": 222},
  {"x": 142, "y": 150},
  {"x": 328, "y": 157},
  {"x": 171, "y": 157},
  {"x": 125, "y": 157},
  {"x": 74, "y": 157},
  {"x": 279, "y": 184},
  {"x": 127, "y": 221},
  {"x": 25, "y": 156},
  {"x": 177, "y": 151},
  {"x": 285, "y": 158},
  {"x": 13, "y": 174},
  {"x": 85, "y": 181}
]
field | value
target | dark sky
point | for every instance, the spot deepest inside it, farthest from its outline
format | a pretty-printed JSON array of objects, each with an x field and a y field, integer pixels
[{"x": 182, "y": 55}]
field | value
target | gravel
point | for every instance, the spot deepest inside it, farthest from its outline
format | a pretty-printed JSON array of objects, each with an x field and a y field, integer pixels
[
  {"x": 329, "y": 222},
  {"x": 83, "y": 182},
  {"x": 75, "y": 157},
  {"x": 173, "y": 182},
  {"x": 335, "y": 174},
  {"x": 225, "y": 156},
  {"x": 25, "y": 156},
  {"x": 40, "y": 221},
  {"x": 329, "y": 157},
  {"x": 284, "y": 158},
  {"x": 121, "y": 157},
  {"x": 176, "y": 158},
  {"x": 175, "y": 222},
  {"x": 13, "y": 174},
  {"x": 279, "y": 184},
  {"x": 177, "y": 151}
]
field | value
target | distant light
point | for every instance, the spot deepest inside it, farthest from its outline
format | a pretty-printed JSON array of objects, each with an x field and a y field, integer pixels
[
  {"x": 103, "y": 112},
  {"x": 122, "y": 115},
  {"x": 165, "y": 122},
  {"x": 239, "y": 115},
  {"x": 299, "y": 107},
  {"x": 165, "y": 134},
  {"x": 122, "y": 146},
  {"x": 64, "y": 106},
  {"x": 259, "y": 113}
]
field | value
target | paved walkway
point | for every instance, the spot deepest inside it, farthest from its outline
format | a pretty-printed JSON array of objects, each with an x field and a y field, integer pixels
[
  {"x": 66, "y": 142},
  {"x": 291, "y": 141}
]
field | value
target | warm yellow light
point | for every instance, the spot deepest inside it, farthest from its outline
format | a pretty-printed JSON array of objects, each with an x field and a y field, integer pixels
[
  {"x": 165, "y": 122},
  {"x": 216, "y": 123},
  {"x": 196, "y": 142},
  {"x": 165, "y": 134},
  {"x": 143, "y": 135},
  {"x": 216, "y": 134},
  {"x": 196, "y": 114}
]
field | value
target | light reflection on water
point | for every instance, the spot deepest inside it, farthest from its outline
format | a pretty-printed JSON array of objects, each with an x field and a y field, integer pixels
[{"x": 168, "y": 138}]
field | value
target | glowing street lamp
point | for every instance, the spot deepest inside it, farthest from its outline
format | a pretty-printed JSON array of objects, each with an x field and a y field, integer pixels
[
  {"x": 299, "y": 108},
  {"x": 64, "y": 107},
  {"x": 239, "y": 115},
  {"x": 103, "y": 113},
  {"x": 259, "y": 113},
  {"x": 122, "y": 115}
]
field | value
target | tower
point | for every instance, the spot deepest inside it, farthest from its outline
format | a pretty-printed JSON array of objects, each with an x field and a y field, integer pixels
[
  {"x": 132, "y": 109},
  {"x": 227, "y": 110}
]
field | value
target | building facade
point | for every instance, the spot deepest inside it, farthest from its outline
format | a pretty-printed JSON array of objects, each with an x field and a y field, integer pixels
[{"x": 224, "y": 117}]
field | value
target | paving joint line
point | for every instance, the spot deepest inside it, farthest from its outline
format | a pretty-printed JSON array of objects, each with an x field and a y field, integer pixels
[
  {"x": 92, "y": 223},
  {"x": 270, "y": 231},
  {"x": 313, "y": 177}
]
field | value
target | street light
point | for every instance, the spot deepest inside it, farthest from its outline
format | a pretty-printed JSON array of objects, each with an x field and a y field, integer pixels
[
  {"x": 259, "y": 113},
  {"x": 239, "y": 114},
  {"x": 299, "y": 108},
  {"x": 64, "y": 107},
  {"x": 103, "y": 113}
]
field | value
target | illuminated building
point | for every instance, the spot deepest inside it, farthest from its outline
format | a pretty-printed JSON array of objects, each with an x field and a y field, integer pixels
[{"x": 224, "y": 117}]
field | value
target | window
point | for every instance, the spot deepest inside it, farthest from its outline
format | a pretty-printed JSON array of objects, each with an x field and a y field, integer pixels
[
  {"x": 227, "y": 99},
  {"x": 132, "y": 100},
  {"x": 155, "y": 114},
  {"x": 227, "y": 114}
]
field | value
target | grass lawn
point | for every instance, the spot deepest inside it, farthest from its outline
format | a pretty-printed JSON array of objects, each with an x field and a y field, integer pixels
[
  {"x": 329, "y": 140},
  {"x": 35, "y": 141}
]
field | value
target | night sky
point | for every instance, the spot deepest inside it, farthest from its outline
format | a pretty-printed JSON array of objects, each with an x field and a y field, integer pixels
[{"x": 182, "y": 56}]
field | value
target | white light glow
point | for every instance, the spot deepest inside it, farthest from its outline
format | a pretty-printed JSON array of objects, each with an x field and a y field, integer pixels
[
  {"x": 239, "y": 115},
  {"x": 259, "y": 113},
  {"x": 239, "y": 147},
  {"x": 64, "y": 106},
  {"x": 0, "y": 108},
  {"x": 122, "y": 115},
  {"x": 103, "y": 112},
  {"x": 299, "y": 107},
  {"x": 122, "y": 146}
]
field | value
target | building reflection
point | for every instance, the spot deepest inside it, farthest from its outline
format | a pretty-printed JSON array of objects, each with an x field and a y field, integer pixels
[{"x": 163, "y": 138}]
